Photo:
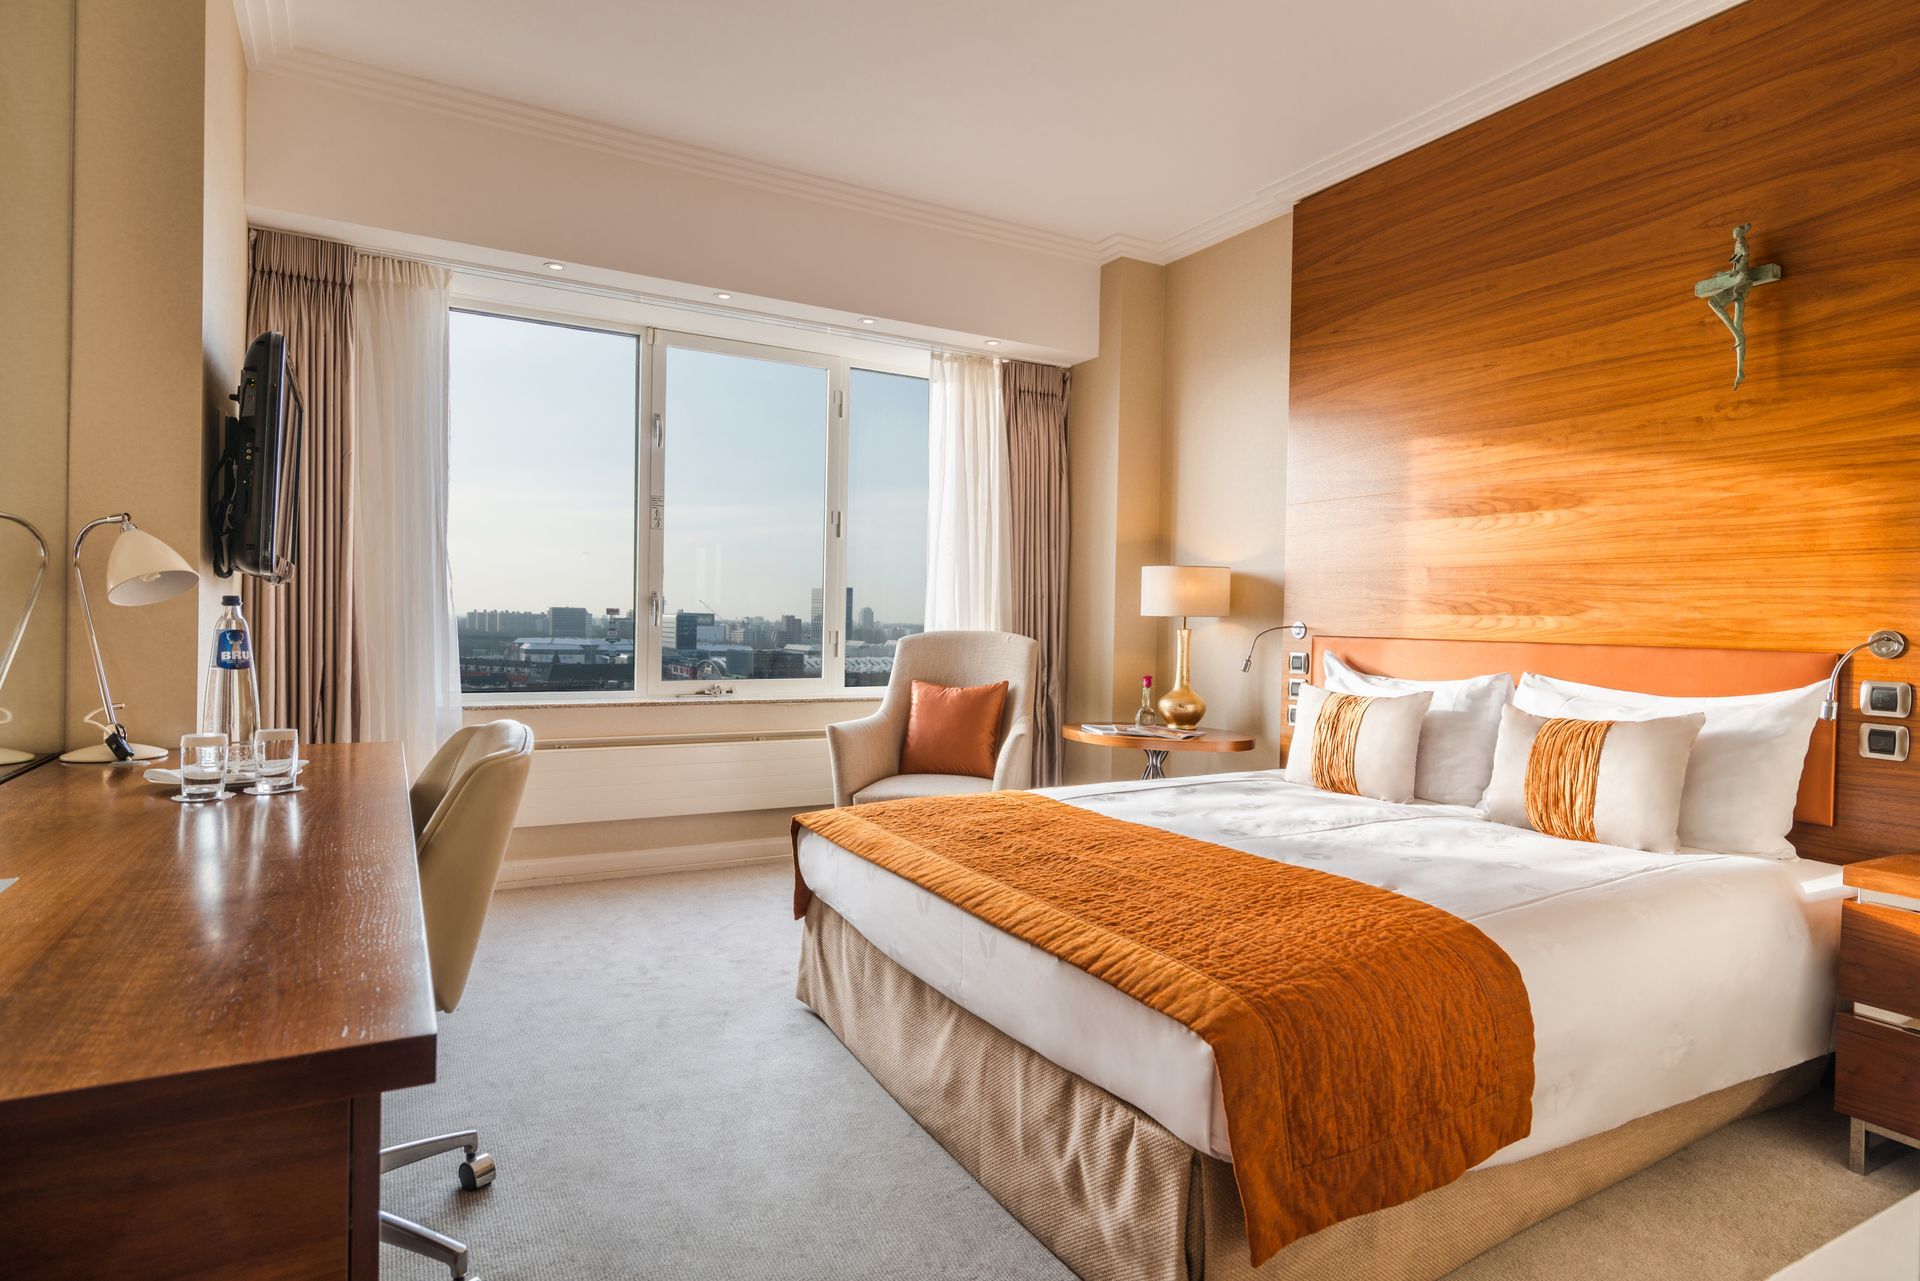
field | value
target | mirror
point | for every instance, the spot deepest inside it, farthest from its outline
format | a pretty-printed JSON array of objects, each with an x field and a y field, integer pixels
[{"x": 36, "y": 230}]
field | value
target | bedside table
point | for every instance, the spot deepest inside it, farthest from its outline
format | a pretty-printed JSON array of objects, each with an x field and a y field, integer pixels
[
  {"x": 1877, "y": 1043},
  {"x": 1210, "y": 740}
]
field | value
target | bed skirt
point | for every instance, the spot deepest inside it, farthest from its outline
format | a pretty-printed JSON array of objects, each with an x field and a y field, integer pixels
[{"x": 1118, "y": 1198}]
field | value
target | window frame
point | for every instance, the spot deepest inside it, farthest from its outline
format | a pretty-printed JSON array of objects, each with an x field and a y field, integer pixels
[{"x": 650, "y": 445}]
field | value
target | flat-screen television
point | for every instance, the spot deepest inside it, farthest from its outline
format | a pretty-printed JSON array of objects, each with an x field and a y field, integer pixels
[{"x": 254, "y": 495}]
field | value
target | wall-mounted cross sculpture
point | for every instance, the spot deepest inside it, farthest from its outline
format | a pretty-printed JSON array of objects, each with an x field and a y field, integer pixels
[{"x": 1726, "y": 293}]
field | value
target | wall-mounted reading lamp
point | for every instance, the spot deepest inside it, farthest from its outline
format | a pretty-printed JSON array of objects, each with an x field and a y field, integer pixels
[
  {"x": 1296, "y": 629},
  {"x": 1884, "y": 643}
]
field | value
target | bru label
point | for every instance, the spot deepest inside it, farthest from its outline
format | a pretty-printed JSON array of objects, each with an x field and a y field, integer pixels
[{"x": 230, "y": 649}]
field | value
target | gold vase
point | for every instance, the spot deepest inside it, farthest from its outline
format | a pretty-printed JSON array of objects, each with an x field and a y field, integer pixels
[{"x": 1180, "y": 707}]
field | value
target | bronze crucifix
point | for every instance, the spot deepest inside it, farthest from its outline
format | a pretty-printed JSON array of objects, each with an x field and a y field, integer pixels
[{"x": 1726, "y": 293}]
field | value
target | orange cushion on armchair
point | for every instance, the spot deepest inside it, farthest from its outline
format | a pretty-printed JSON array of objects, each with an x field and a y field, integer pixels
[{"x": 953, "y": 729}]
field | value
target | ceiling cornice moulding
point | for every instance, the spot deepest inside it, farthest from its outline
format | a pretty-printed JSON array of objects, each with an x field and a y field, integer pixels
[
  {"x": 1598, "y": 47},
  {"x": 558, "y": 126},
  {"x": 266, "y": 29}
]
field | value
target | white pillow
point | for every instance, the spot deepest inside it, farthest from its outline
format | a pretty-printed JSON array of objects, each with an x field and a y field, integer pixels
[
  {"x": 1744, "y": 776},
  {"x": 1631, "y": 799},
  {"x": 1456, "y": 739},
  {"x": 1375, "y": 761}
]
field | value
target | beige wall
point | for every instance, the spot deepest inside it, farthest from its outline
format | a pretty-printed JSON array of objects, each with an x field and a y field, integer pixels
[
  {"x": 223, "y": 247},
  {"x": 1225, "y": 468},
  {"x": 1177, "y": 443},
  {"x": 36, "y": 212},
  {"x": 355, "y": 155},
  {"x": 157, "y": 242},
  {"x": 1114, "y": 432}
]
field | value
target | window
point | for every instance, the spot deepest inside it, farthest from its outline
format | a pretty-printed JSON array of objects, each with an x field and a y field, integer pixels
[
  {"x": 540, "y": 508},
  {"x": 743, "y": 495},
  {"x": 733, "y": 492},
  {"x": 886, "y": 519}
]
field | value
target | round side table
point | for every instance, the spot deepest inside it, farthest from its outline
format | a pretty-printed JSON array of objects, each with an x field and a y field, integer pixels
[{"x": 1210, "y": 740}]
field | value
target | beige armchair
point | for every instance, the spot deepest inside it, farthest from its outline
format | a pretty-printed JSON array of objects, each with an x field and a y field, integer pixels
[
  {"x": 464, "y": 804},
  {"x": 866, "y": 753}
]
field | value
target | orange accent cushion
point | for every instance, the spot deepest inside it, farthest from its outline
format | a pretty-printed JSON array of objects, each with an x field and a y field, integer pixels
[{"x": 952, "y": 729}]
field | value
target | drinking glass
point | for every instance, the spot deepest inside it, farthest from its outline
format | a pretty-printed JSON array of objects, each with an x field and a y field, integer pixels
[
  {"x": 203, "y": 768},
  {"x": 276, "y": 762}
]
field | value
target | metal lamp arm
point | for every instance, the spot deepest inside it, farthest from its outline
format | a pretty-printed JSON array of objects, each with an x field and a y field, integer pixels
[
  {"x": 33, "y": 596},
  {"x": 1885, "y": 643},
  {"x": 124, "y": 520},
  {"x": 1298, "y": 629}
]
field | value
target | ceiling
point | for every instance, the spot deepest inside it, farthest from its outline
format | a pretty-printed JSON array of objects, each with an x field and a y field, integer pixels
[{"x": 1110, "y": 127}]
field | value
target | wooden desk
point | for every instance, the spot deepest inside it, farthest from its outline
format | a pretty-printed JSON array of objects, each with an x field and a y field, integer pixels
[
  {"x": 199, "y": 1008},
  {"x": 1210, "y": 740}
]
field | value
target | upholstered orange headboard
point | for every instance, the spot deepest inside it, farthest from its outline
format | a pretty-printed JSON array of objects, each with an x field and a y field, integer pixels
[{"x": 1649, "y": 669}]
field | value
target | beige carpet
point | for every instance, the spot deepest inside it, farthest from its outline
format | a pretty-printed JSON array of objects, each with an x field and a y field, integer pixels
[{"x": 661, "y": 1107}]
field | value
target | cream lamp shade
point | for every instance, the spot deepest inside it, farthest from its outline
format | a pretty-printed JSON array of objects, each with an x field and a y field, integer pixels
[
  {"x": 1185, "y": 591},
  {"x": 142, "y": 570}
]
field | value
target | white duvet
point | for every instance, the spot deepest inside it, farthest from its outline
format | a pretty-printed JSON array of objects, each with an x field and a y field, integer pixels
[{"x": 1654, "y": 978}]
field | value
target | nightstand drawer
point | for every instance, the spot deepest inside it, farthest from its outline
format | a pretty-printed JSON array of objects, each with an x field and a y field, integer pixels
[
  {"x": 1877, "y": 1073},
  {"x": 1880, "y": 957}
]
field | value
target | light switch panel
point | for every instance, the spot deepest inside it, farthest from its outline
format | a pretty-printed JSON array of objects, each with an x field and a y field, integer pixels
[
  {"x": 1293, "y": 688},
  {"x": 1884, "y": 742},
  {"x": 1297, "y": 663},
  {"x": 1892, "y": 699}
]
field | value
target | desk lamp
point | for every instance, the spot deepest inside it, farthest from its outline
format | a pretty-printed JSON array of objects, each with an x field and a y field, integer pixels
[{"x": 141, "y": 570}]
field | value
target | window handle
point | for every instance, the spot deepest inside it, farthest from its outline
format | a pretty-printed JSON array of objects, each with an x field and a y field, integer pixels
[
  {"x": 659, "y": 432},
  {"x": 653, "y": 604}
]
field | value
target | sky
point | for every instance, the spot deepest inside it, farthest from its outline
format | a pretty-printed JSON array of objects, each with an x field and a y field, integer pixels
[{"x": 543, "y": 484}]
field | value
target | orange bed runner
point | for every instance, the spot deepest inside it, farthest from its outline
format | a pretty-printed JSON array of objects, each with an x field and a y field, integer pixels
[{"x": 1370, "y": 1047}]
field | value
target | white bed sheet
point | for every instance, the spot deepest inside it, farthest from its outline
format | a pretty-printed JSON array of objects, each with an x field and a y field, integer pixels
[{"x": 1653, "y": 978}]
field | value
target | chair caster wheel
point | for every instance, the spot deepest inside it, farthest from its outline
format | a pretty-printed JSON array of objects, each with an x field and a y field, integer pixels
[{"x": 477, "y": 1171}]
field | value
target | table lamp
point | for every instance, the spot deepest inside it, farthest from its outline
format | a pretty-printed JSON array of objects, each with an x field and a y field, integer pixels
[
  {"x": 141, "y": 570},
  {"x": 1183, "y": 591}
]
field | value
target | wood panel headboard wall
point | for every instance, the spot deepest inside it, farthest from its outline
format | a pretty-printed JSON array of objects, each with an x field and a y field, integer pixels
[{"x": 1512, "y": 420}]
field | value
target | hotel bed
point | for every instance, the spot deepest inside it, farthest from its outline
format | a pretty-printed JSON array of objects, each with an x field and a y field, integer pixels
[
  {"x": 1654, "y": 978},
  {"x": 1670, "y": 994}
]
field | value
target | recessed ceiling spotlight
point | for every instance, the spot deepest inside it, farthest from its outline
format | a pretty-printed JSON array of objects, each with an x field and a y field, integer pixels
[
  {"x": 993, "y": 342},
  {"x": 555, "y": 266},
  {"x": 724, "y": 297},
  {"x": 866, "y": 320}
]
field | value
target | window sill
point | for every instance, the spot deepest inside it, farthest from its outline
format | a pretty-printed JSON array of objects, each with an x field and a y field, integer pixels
[{"x": 486, "y": 703}]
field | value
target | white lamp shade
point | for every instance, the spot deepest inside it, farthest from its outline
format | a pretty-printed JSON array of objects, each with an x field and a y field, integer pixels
[
  {"x": 142, "y": 570},
  {"x": 1172, "y": 591}
]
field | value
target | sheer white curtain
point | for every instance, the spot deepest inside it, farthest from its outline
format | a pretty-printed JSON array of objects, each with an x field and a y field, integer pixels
[
  {"x": 969, "y": 522},
  {"x": 409, "y": 661}
]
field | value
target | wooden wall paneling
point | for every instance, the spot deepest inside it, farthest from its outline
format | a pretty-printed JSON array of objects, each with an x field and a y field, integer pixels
[{"x": 1511, "y": 418}]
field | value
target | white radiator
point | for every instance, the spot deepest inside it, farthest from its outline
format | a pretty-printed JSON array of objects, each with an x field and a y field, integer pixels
[{"x": 597, "y": 783}]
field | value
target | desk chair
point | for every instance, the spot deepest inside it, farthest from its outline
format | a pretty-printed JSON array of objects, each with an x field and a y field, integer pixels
[
  {"x": 865, "y": 754},
  {"x": 463, "y": 809}
]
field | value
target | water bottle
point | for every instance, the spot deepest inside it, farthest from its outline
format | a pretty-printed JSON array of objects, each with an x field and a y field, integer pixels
[{"x": 232, "y": 705}]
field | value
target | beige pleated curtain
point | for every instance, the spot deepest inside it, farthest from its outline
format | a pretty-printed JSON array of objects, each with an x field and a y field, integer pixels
[
  {"x": 304, "y": 630},
  {"x": 1035, "y": 397}
]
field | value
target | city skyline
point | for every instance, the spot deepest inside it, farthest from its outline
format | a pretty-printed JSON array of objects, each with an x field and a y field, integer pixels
[{"x": 544, "y": 427}]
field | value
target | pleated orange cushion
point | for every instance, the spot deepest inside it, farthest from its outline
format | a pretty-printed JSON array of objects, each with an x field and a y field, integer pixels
[{"x": 953, "y": 729}]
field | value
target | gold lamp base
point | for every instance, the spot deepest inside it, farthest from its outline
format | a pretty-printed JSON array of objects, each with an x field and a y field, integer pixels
[{"x": 1180, "y": 707}]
